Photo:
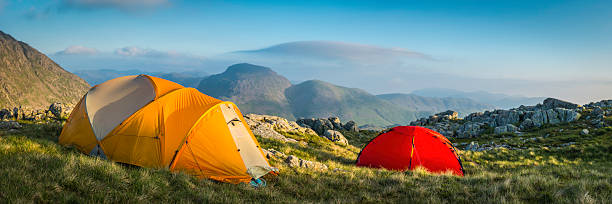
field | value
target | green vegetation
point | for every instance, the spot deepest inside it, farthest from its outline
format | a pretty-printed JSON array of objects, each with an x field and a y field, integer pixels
[{"x": 33, "y": 167}]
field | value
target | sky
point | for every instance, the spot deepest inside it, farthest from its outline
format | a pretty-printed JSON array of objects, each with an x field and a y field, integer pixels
[{"x": 557, "y": 48}]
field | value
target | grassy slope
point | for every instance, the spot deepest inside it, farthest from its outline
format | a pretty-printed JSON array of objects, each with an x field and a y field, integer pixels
[{"x": 34, "y": 167}]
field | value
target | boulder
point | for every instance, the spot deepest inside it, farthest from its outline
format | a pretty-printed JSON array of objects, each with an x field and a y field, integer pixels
[
  {"x": 278, "y": 123},
  {"x": 58, "y": 110},
  {"x": 584, "y": 132},
  {"x": 527, "y": 124},
  {"x": 336, "y": 136},
  {"x": 293, "y": 161},
  {"x": 335, "y": 121},
  {"x": 351, "y": 126},
  {"x": 551, "y": 103}
]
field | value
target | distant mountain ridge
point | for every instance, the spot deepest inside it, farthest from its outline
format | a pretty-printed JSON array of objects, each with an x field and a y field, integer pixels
[
  {"x": 98, "y": 76},
  {"x": 463, "y": 106},
  {"x": 258, "y": 89},
  {"x": 30, "y": 78},
  {"x": 502, "y": 101}
]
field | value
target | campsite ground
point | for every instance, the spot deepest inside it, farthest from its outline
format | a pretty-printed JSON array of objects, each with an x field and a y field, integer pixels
[{"x": 33, "y": 167}]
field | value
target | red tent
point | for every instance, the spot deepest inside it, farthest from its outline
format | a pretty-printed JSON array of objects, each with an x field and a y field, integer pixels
[{"x": 406, "y": 147}]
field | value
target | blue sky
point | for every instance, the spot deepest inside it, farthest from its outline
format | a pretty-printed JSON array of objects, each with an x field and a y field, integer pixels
[{"x": 561, "y": 42}]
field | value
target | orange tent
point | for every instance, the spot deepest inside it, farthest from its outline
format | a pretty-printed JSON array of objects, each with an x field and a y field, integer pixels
[{"x": 151, "y": 122}]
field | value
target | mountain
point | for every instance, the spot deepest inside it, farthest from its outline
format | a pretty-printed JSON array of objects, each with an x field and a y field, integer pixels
[
  {"x": 434, "y": 104},
  {"x": 315, "y": 99},
  {"x": 502, "y": 101},
  {"x": 30, "y": 78},
  {"x": 260, "y": 90},
  {"x": 255, "y": 89},
  {"x": 188, "y": 79}
]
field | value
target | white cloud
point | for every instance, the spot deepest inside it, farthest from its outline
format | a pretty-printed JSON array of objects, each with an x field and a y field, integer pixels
[
  {"x": 78, "y": 50},
  {"x": 327, "y": 50}
]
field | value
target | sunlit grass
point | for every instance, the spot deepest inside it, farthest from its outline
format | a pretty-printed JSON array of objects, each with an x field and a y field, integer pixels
[{"x": 33, "y": 167}]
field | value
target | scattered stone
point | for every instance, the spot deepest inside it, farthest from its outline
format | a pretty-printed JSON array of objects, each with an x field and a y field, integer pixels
[
  {"x": 9, "y": 125},
  {"x": 584, "y": 132},
  {"x": 336, "y": 136},
  {"x": 294, "y": 162},
  {"x": 568, "y": 144}
]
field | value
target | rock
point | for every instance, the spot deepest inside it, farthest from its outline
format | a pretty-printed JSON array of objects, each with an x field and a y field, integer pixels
[
  {"x": 351, "y": 126},
  {"x": 568, "y": 144},
  {"x": 551, "y": 103},
  {"x": 278, "y": 123},
  {"x": 449, "y": 114},
  {"x": 266, "y": 131},
  {"x": 336, "y": 136},
  {"x": 584, "y": 132},
  {"x": 58, "y": 110},
  {"x": 526, "y": 124},
  {"x": 470, "y": 129},
  {"x": 505, "y": 128},
  {"x": 5, "y": 114},
  {"x": 8, "y": 125},
  {"x": 335, "y": 121},
  {"x": 272, "y": 153},
  {"x": 293, "y": 161},
  {"x": 473, "y": 146},
  {"x": 318, "y": 125}
]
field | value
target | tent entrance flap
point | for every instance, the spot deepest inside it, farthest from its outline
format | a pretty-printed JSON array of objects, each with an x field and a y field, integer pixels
[{"x": 253, "y": 160}]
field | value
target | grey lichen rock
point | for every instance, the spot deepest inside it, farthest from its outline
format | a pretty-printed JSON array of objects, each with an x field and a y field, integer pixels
[
  {"x": 351, "y": 126},
  {"x": 584, "y": 132},
  {"x": 294, "y": 162},
  {"x": 336, "y": 136}
]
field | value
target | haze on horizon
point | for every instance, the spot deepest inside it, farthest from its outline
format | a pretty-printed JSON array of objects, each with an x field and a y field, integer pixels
[{"x": 559, "y": 49}]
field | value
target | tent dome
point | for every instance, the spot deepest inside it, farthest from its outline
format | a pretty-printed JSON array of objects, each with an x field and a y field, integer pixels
[
  {"x": 406, "y": 147},
  {"x": 152, "y": 122}
]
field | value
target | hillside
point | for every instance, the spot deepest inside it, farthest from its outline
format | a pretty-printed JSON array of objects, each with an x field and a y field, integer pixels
[
  {"x": 29, "y": 78},
  {"x": 255, "y": 89},
  {"x": 555, "y": 163},
  {"x": 434, "y": 104},
  {"x": 316, "y": 99}
]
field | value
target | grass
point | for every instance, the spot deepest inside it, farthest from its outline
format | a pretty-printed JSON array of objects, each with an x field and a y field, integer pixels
[{"x": 33, "y": 167}]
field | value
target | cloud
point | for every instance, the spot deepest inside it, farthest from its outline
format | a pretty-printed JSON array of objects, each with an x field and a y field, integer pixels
[
  {"x": 141, "y": 52},
  {"x": 78, "y": 50},
  {"x": 83, "y": 58},
  {"x": 123, "y": 5},
  {"x": 328, "y": 50}
]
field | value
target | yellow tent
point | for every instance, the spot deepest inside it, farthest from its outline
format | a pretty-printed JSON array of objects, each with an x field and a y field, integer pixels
[{"x": 152, "y": 122}]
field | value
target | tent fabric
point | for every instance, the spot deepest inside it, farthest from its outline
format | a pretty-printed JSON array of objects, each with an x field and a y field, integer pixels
[
  {"x": 408, "y": 147},
  {"x": 178, "y": 128}
]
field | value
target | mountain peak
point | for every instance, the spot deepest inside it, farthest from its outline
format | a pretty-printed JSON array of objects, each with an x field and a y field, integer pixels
[{"x": 245, "y": 68}]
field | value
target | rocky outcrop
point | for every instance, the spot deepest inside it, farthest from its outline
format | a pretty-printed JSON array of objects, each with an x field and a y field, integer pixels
[
  {"x": 551, "y": 111},
  {"x": 329, "y": 127},
  {"x": 55, "y": 111},
  {"x": 279, "y": 124},
  {"x": 264, "y": 126}
]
